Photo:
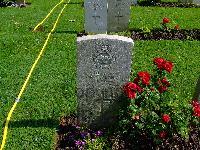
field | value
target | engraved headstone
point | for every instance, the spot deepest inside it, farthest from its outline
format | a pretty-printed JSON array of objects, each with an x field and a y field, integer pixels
[
  {"x": 103, "y": 67},
  {"x": 95, "y": 16},
  {"x": 118, "y": 15}
]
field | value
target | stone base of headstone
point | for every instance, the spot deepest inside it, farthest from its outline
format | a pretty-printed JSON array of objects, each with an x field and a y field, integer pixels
[{"x": 103, "y": 67}]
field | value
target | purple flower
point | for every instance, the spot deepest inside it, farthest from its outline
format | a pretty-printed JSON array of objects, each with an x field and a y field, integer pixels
[
  {"x": 99, "y": 133},
  {"x": 78, "y": 143},
  {"x": 83, "y": 134},
  {"x": 77, "y": 127},
  {"x": 83, "y": 143}
]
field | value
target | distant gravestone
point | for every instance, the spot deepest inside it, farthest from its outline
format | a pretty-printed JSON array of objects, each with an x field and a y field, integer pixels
[
  {"x": 190, "y": 1},
  {"x": 196, "y": 2},
  {"x": 103, "y": 67},
  {"x": 95, "y": 16},
  {"x": 102, "y": 16},
  {"x": 197, "y": 91},
  {"x": 118, "y": 15}
]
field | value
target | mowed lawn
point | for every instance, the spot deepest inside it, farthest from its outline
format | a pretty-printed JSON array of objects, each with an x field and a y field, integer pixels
[{"x": 51, "y": 92}]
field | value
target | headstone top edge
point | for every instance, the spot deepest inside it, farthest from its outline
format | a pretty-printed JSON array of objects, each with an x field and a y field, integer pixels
[{"x": 104, "y": 36}]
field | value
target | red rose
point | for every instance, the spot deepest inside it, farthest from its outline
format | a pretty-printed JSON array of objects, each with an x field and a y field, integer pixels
[
  {"x": 162, "y": 89},
  {"x": 162, "y": 134},
  {"x": 145, "y": 81},
  {"x": 130, "y": 90},
  {"x": 177, "y": 27},
  {"x": 195, "y": 103},
  {"x": 168, "y": 66},
  {"x": 196, "y": 111},
  {"x": 165, "y": 82},
  {"x": 166, "y": 118},
  {"x": 145, "y": 77},
  {"x": 143, "y": 74},
  {"x": 159, "y": 62},
  {"x": 196, "y": 108},
  {"x": 166, "y": 20}
]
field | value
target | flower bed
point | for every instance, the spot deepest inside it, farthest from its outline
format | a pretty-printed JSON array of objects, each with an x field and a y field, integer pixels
[
  {"x": 159, "y": 34},
  {"x": 168, "y": 4},
  {"x": 151, "y": 118}
]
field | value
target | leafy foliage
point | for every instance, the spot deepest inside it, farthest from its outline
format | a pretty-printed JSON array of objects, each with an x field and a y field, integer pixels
[{"x": 150, "y": 108}]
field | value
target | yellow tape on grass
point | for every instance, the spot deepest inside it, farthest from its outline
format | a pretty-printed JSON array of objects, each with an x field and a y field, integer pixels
[
  {"x": 39, "y": 24},
  {"x": 28, "y": 78}
]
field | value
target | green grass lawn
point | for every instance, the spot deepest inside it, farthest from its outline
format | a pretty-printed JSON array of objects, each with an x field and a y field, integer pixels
[{"x": 51, "y": 91}]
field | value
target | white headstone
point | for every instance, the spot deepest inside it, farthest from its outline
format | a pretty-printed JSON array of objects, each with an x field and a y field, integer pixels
[
  {"x": 118, "y": 15},
  {"x": 103, "y": 67},
  {"x": 196, "y": 2},
  {"x": 95, "y": 16}
]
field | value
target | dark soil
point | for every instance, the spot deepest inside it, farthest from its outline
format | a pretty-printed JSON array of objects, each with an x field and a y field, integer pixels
[
  {"x": 67, "y": 125},
  {"x": 13, "y": 4},
  {"x": 158, "y": 34},
  {"x": 168, "y": 4},
  {"x": 143, "y": 142},
  {"x": 124, "y": 142}
]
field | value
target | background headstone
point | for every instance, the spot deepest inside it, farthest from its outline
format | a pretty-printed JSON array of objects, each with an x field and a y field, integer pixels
[
  {"x": 196, "y": 2},
  {"x": 103, "y": 67},
  {"x": 190, "y": 1},
  {"x": 197, "y": 91},
  {"x": 118, "y": 15},
  {"x": 95, "y": 16}
]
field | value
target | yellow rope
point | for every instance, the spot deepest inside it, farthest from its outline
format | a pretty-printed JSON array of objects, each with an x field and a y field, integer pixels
[
  {"x": 27, "y": 79},
  {"x": 48, "y": 15}
]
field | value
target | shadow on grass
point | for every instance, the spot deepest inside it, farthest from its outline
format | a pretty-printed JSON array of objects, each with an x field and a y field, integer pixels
[
  {"x": 48, "y": 123},
  {"x": 79, "y": 34},
  {"x": 67, "y": 32},
  {"x": 75, "y": 3},
  {"x": 197, "y": 90}
]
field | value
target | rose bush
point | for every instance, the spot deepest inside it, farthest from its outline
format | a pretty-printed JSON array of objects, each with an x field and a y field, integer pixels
[{"x": 153, "y": 107}]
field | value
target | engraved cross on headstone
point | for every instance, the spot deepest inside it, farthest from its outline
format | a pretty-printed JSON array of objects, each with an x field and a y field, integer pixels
[
  {"x": 120, "y": 11},
  {"x": 118, "y": 16},
  {"x": 95, "y": 18}
]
